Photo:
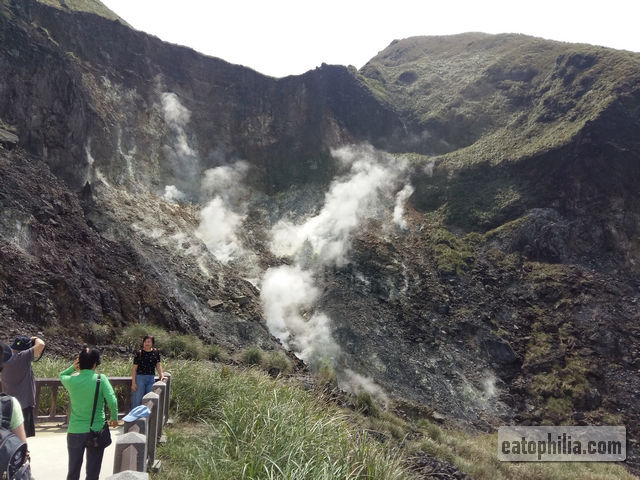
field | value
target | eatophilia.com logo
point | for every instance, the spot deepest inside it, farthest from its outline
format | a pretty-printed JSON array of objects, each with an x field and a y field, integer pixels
[{"x": 562, "y": 444}]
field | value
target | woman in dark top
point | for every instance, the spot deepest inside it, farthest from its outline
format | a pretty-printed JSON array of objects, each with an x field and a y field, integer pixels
[{"x": 145, "y": 362}]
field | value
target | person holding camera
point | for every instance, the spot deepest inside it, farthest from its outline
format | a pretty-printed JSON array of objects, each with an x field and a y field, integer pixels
[
  {"x": 18, "y": 379},
  {"x": 16, "y": 422},
  {"x": 87, "y": 393}
]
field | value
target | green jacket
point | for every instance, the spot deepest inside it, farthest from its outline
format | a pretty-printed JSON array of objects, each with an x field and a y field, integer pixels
[{"x": 82, "y": 388}]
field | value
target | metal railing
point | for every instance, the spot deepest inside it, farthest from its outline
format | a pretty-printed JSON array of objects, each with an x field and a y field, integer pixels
[
  {"x": 120, "y": 384},
  {"x": 135, "y": 450}
]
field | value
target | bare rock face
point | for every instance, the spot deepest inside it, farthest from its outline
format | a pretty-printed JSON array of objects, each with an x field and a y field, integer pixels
[
  {"x": 7, "y": 139},
  {"x": 458, "y": 221},
  {"x": 61, "y": 276}
]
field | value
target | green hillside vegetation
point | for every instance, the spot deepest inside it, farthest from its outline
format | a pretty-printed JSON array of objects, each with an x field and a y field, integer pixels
[
  {"x": 475, "y": 101},
  {"x": 234, "y": 422},
  {"x": 90, "y": 6},
  {"x": 491, "y": 98}
]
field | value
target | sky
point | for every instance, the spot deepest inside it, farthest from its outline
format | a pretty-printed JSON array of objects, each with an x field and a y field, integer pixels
[{"x": 290, "y": 37}]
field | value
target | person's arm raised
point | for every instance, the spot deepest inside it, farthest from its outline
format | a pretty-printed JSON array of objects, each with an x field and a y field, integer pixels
[{"x": 38, "y": 346}]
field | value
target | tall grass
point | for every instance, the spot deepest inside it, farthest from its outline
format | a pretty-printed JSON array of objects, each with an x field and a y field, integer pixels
[
  {"x": 253, "y": 427},
  {"x": 477, "y": 456},
  {"x": 242, "y": 424}
]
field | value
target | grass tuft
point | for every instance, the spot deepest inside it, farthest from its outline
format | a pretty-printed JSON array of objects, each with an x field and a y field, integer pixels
[{"x": 252, "y": 356}]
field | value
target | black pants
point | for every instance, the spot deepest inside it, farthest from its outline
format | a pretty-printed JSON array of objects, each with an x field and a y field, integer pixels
[
  {"x": 76, "y": 447},
  {"x": 29, "y": 422}
]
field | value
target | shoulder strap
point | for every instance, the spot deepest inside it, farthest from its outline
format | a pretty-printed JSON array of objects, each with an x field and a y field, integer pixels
[
  {"x": 95, "y": 402},
  {"x": 7, "y": 410}
]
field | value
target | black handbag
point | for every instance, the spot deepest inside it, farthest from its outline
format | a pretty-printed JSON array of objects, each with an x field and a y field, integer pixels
[{"x": 101, "y": 438}]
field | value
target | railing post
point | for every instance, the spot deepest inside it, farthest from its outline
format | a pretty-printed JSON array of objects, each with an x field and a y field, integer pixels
[
  {"x": 140, "y": 425},
  {"x": 167, "y": 397},
  {"x": 131, "y": 453},
  {"x": 152, "y": 402},
  {"x": 54, "y": 401},
  {"x": 160, "y": 388},
  {"x": 129, "y": 475}
]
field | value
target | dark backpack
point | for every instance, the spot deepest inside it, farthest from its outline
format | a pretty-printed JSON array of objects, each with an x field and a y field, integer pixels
[{"x": 14, "y": 459}]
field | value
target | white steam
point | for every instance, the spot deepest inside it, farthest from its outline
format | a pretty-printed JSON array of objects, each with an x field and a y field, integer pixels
[
  {"x": 172, "y": 194},
  {"x": 217, "y": 230},
  {"x": 226, "y": 182},
  {"x": 428, "y": 168},
  {"x": 368, "y": 190},
  {"x": 288, "y": 295},
  {"x": 398, "y": 211},
  {"x": 222, "y": 186},
  {"x": 182, "y": 159},
  {"x": 225, "y": 212},
  {"x": 177, "y": 117},
  {"x": 350, "y": 200},
  {"x": 355, "y": 383},
  {"x": 175, "y": 113},
  {"x": 489, "y": 386},
  {"x": 286, "y": 291}
]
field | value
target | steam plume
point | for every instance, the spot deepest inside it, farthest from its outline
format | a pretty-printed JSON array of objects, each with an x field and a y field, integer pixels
[
  {"x": 398, "y": 211},
  {"x": 182, "y": 159},
  {"x": 217, "y": 230},
  {"x": 224, "y": 214},
  {"x": 172, "y": 194},
  {"x": 226, "y": 182},
  {"x": 289, "y": 294},
  {"x": 359, "y": 195},
  {"x": 355, "y": 383}
]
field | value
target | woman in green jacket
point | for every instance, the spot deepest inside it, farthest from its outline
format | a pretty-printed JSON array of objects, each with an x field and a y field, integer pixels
[{"x": 80, "y": 380}]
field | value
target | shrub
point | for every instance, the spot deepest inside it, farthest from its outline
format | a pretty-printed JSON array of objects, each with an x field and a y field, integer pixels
[
  {"x": 100, "y": 333},
  {"x": 279, "y": 360},
  {"x": 365, "y": 403},
  {"x": 215, "y": 353},
  {"x": 132, "y": 336},
  {"x": 186, "y": 347},
  {"x": 327, "y": 375},
  {"x": 252, "y": 356}
]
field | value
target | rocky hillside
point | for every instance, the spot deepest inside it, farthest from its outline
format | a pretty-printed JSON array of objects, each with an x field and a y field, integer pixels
[{"x": 456, "y": 224}]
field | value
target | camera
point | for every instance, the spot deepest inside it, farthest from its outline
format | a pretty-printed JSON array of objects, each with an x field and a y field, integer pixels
[{"x": 22, "y": 343}]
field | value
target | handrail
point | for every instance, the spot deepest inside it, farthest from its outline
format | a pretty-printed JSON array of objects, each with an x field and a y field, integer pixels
[
  {"x": 55, "y": 384},
  {"x": 134, "y": 451}
]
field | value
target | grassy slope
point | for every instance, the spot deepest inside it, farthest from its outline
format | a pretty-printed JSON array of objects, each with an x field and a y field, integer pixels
[
  {"x": 474, "y": 101},
  {"x": 491, "y": 98},
  {"x": 234, "y": 423}
]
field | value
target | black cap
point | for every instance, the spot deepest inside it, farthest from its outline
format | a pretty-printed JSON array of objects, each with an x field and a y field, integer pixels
[{"x": 22, "y": 343}]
